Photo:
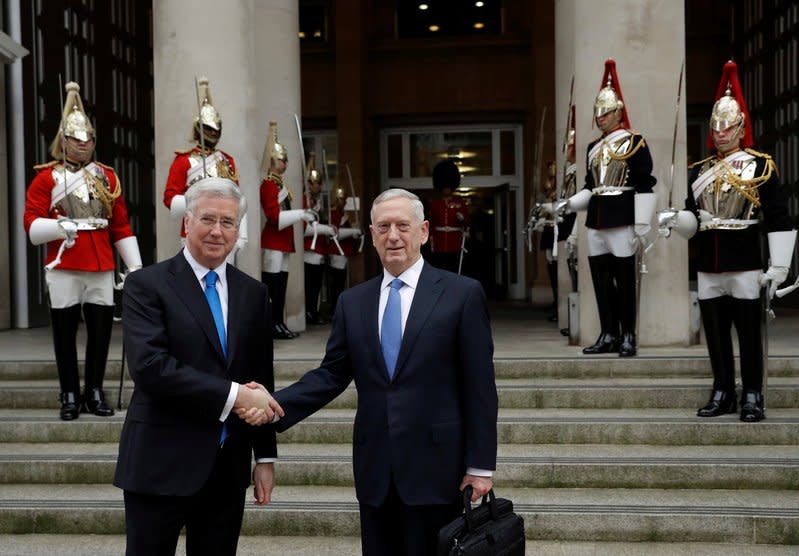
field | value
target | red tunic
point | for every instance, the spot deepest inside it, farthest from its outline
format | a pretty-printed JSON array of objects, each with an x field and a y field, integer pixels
[
  {"x": 321, "y": 240},
  {"x": 444, "y": 220},
  {"x": 271, "y": 236},
  {"x": 92, "y": 251},
  {"x": 177, "y": 180},
  {"x": 348, "y": 245}
]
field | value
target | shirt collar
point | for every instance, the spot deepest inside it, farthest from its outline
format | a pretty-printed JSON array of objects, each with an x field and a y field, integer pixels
[
  {"x": 410, "y": 277},
  {"x": 200, "y": 271}
]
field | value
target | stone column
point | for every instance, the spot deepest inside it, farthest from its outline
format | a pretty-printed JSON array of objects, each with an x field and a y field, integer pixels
[
  {"x": 187, "y": 40},
  {"x": 277, "y": 91},
  {"x": 647, "y": 40}
]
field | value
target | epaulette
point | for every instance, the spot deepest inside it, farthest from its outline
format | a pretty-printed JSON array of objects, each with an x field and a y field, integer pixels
[
  {"x": 226, "y": 154},
  {"x": 184, "y": 151},
  {"x": 757, "y": 153},
  {"x": 106, "y": 166},
  {"x": 46, "y": 165},
  {"x": 692, "y": 166}
]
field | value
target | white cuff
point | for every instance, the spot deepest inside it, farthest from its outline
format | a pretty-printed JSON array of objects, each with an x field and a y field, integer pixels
[
  {"x": 231, "y": 399},
  {"x": 479, "y": 472}
]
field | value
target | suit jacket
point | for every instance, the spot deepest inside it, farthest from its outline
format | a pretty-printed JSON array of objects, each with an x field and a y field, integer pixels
[
  {"x": 437, "y": 416},
  {"x": 170, "y": 440}
]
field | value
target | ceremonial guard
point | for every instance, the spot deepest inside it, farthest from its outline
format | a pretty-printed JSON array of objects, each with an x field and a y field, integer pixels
[
  {"x": 349, "y": 235},
  {"x": 317, "y": 238},
  {"x": 449, "y": 219},
  {"x": 732, "y": 196},
  {"x": 76, "y": 207},
  {"x": 620, "y": 202},
  {"x": 201, "y": 161},
  {"x": 277, "y": 236}
]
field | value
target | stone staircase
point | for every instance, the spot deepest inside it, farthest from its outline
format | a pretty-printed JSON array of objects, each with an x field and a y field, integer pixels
[{"x": 600, "y": 456}]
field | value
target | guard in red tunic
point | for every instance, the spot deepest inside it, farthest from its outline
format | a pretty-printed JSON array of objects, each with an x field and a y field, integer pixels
[
  {"x": 318, "y": 236},
  {"x": 349, "y": 238},
  {"x": 75, "y": 206},
  {"x": 449, "y": 218},
  {"x": 202, "y": 160},
  {"x": 277, "y": 236}
]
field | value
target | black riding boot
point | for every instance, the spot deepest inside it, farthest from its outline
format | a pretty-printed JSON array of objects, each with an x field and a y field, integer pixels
[
  {"x": 747, "y": 315},
  {"x": 277, "y": 293},
  {"x": 99, "y": 319},
  {"x": 337, "y": 280},
  {"x": 717, "y": 323},
  {"x": 625, "y": 282},
  {"x": 552, "y": 270},
  {"x": 605, "y": 292},
  {"x": 313, "y": 285},
  {"x": 65, "y": 330}
]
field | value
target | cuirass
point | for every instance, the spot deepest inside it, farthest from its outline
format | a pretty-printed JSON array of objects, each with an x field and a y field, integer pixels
[
  {"x": 726, "y": 200},
  {"x": 607, "y": 170},
  {"x": 569, "y": 185},
  {"x": 81, "y": 201},
  {"x": 216, "y": 166}
]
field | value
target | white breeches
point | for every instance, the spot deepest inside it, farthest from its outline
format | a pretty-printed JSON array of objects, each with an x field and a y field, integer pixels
[
  {"x": 740, "y": 285},
  {"x": 339, "y": 262},
  {"x": 75, "y": 287},
  {"x": 312, "y": 257},
  {"x": 619, "y": 242},
  {"x": 274, "y": 261}
]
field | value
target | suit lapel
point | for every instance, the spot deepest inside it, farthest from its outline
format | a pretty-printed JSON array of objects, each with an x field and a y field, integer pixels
[
  {"x": 189, "y": 291},
  {"x": 428, "y": 291},
  {"x": 235, "y": 306}
]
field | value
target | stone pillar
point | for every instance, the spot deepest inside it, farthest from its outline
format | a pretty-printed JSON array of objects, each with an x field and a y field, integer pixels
[
  {"x": 187, "y": 35},
  {"x": 277, "y": 90},
  {"x": 647, "y": 40}
]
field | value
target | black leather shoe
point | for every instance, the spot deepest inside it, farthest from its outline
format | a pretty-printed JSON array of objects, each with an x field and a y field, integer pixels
[
  {"x": 752, "y": 407},
  {"x": 720, "y": 402},
  {"x": 564, "y": 332},
  {"x": 69, "y": 406},
  {"x": 312, "y": 318},
  {"x": 94, "y": 402},
  {"x": 278, "y": 333},
  {"x": 627, "y": 346},
  {"x": 606, "y": 343}
]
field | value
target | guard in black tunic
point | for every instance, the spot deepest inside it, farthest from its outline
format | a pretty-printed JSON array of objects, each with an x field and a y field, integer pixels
[
  {"x": 733, "y": 196},
  {"x": 620, "y": 202}
]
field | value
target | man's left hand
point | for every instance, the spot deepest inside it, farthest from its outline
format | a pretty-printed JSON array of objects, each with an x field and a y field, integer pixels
[
  {"x": 480, "y": 485},
  {"x": 263, "y": 476}
]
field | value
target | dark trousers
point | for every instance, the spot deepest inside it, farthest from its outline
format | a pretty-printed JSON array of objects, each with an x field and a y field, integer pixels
[
  {"x": 396, "y": 529},
  {"x": 313, "y": 285},
  {"x": 212, "y": 518}
]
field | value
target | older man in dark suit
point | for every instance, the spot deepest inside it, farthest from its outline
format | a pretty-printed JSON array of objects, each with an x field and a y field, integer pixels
[
  {"x": 197, "y": 332},
  {"x": 417, "y": 341}
]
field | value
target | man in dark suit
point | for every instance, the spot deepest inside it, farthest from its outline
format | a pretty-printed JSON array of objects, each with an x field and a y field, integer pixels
[
  {"x": 417, "y": 341},
  {"x": 197, "y": 333}
]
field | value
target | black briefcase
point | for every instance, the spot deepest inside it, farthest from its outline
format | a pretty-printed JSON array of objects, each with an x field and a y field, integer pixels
[{"x": 490, "y": 529}]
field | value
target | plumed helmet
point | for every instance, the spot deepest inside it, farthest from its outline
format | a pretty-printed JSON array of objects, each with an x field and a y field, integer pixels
[
  {"x": 311, "y": 173},
  {"x": 208, "y": 116},
  {"x": 609, "y": 98},
  {"x": 74, "y": 122},
  {"x": 273, "y": 150},
  {"x": 446, "y": 174},
  {"x": 730, "y": 107}
]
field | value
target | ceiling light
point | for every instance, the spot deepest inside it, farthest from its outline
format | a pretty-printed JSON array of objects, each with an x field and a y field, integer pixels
[
  {"x": 479, "y": 4},
  {"x": 317, "y": 34},
  {"x": 479, "y": 25},
  {"x": 302, "y": 34},
  {"x": 423, "y": 6},
  {"x": 434, "y": 28}
]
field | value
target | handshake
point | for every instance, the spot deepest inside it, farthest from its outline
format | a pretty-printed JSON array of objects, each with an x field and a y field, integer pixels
[{"x": 255, "y": 406}]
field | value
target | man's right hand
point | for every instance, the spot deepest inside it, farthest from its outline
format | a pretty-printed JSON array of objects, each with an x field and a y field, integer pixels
[{"x": 255, "y": 405}]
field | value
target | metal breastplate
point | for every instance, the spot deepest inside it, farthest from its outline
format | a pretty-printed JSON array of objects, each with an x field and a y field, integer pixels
[
  {"x": 726, "y": 201},
  {"x": 569, "y": 185},
  {"x": 610, "y": 175},
  {"x": 81, "y": 202},
  {"x": 216, "y": 166}
]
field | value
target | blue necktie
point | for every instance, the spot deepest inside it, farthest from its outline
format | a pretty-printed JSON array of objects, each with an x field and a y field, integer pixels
[
  {"x": 391, "y": 332},
  {"x": 219, "y": 320}
]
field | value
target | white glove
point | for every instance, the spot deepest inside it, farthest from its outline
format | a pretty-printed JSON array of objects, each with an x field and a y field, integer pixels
[
  {"x": 705, "y": 216},
  {"x": 345, "y": 233},
  {"x": 288, "y": 218},
  {"x": 546, "y": 208},
  {"x": 321, "y": 230},
  {"x": 310, "y": 216},
  {"x": 70, "y": 230},
  {"x": 571, "y": 242},
  {"x": 772, "y": 278}
]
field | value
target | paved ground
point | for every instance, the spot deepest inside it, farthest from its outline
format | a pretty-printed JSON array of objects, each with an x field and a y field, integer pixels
[{"x": 520, "y": 331}]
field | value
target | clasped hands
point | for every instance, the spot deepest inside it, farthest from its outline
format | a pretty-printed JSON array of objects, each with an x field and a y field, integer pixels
[{"x": 255, "y": 406}]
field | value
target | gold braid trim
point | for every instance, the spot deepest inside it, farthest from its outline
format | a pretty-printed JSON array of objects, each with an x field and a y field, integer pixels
[
  {"x": 103, "y": 189},
  {"x": 747, "y": 188},
  {"x": 629, "y": 153},
  {"x": 695, "y": 164},
  {"x": 278, "y": 179}
]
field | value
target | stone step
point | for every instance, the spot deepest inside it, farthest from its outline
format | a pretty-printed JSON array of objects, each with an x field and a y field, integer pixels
[
  {"x": 602, "y": 366},
  {"x": 251, "y": 545},
  {"x": 596, "y": 515},
  {"x": 668, "y": 427},
  {"x": 690, "y": 393},
  {"x": 539, "y": 466}
]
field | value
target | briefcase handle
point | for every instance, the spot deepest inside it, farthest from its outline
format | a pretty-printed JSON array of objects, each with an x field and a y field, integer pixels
[{"x": 489, "y": 499}]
